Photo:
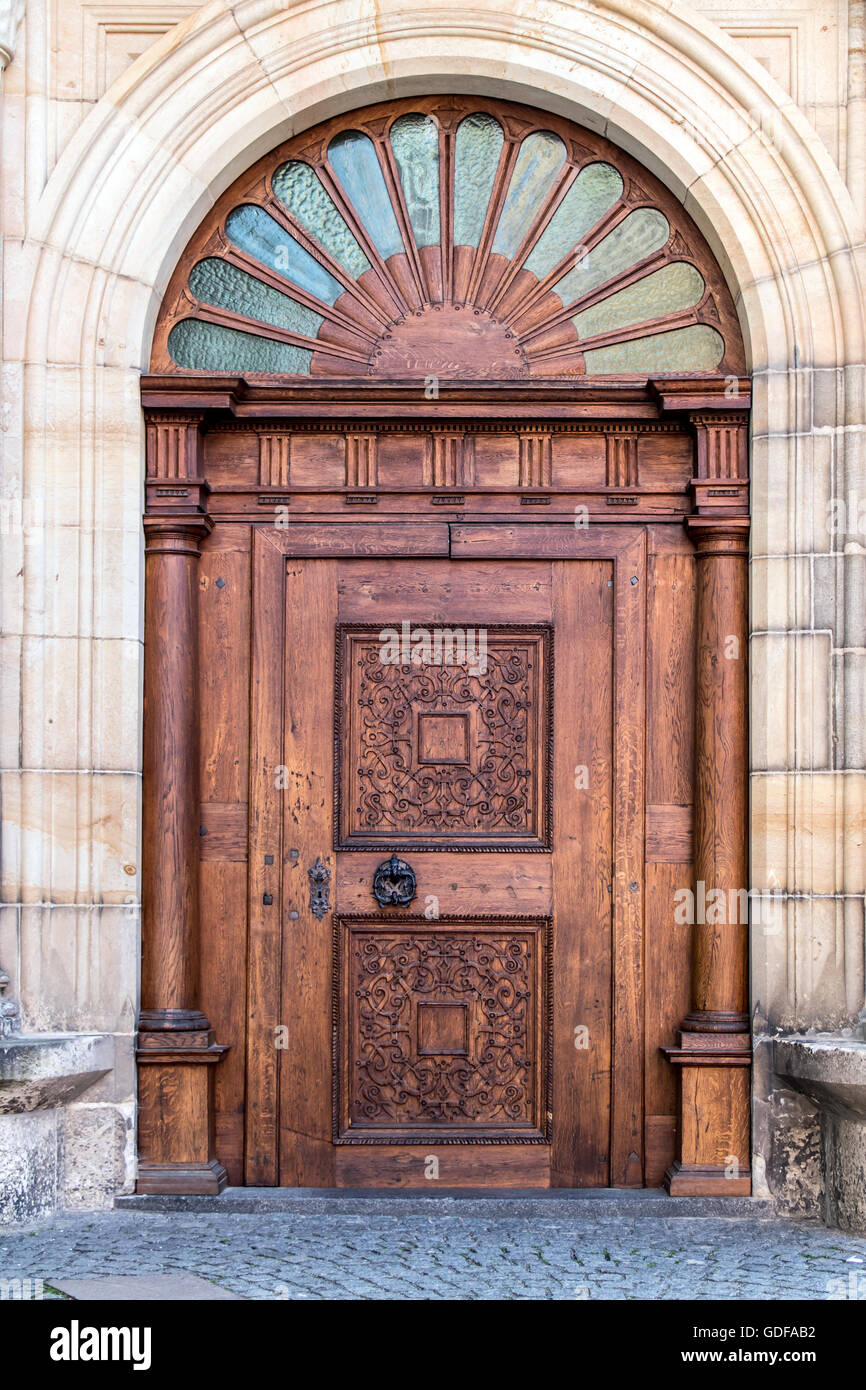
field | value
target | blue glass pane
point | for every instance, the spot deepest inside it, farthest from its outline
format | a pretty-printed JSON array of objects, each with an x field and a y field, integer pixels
[
  {"x": 218, "y": 282},
  {"x": 539, "y": 160},
  {"x": 253, "y": 230},
  {"x": 666, "y": 291},
  {"x": 353, "y": 159},
  {"x": 208, "y": 347},
  {"x": 641, "y": 233},
  {"x": 695, "y": 349},
  {"x": 476, "y": 157},
  {"x": 593, "y": 193},
  {"x": 415, "y": 142},
  {"x": 300, "y": 189}
]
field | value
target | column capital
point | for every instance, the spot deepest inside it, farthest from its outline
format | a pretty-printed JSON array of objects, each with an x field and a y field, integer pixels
[
  {"x": 176, "y": 533},
  {"x": 719, "y": 535},
  {"x": 174, "y": 457},
  {"x": 720, "y": 486}
]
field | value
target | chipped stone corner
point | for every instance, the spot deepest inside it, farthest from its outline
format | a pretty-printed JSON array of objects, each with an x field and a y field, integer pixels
[
  {"x": 809, "y": 1122},
  {"x": 67, "y": 1123},
  {"x": 786, "y": 1140}
]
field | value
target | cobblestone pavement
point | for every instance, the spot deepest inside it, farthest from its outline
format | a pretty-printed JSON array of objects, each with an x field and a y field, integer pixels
[{"x": 289, "y": 1256}]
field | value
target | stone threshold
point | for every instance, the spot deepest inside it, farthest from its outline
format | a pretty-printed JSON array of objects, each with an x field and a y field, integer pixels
[{"x": 550, "y": 1203}]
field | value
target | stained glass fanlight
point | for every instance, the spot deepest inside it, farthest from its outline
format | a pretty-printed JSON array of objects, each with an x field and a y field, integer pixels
[{"x": 454, "y": 238}]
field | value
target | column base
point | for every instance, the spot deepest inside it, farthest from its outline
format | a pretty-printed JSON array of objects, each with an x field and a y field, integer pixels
[
  {"x": 714, "y": 1150},
  {"x": 715, "y": 1021},
  {"x": 706, "y": 1180},
  {"x": 181, "y": 1179},
  {"x": 171, "y": 1021},
  {"x": 176, "y": 1119}
]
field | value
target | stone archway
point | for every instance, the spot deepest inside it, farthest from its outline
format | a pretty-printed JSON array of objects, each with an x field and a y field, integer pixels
[{"x": 228, "y": 84}]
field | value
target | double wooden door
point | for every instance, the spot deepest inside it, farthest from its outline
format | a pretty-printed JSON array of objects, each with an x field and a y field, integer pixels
[{"x": 446, "y": 856}]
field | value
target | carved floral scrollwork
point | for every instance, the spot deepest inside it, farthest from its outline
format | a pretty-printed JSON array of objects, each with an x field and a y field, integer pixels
[
  {"x": 484, "y": 1076},
  {"x": 489, "y": 787}
]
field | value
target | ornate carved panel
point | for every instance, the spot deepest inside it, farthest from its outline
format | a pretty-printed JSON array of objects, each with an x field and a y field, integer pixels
[
  {"x": 443, "y": 737},
  {"x": 621, "y": 457},
  {"x": 449, "y": 459},
  {"x": 361, "y": 458},
  {"x": 534, "y": 459},
  {"x": 441, "y": 1030},
  {"x": 173, "y": 445},
  {"x": 275, "y": 450}
]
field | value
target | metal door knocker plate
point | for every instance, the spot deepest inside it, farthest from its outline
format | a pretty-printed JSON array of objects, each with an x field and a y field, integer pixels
[
  {"x": 320, "y": 877},
  {"x": 394, "y": 883}
]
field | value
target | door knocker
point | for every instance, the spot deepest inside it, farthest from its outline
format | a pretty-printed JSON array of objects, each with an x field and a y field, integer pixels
[{"x": 394, "y": 883}]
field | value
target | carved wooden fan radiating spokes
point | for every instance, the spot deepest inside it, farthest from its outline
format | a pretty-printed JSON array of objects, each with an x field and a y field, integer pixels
[{"x": 451, "y": 238}]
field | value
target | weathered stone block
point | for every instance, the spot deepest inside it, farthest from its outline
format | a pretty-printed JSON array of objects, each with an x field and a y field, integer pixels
[
  {"x": 96, "y": 1155},
  {"x": 786, "y": 1139},
  {"x": 808, "y": 966},
  {"x": 28, "y": 1165},
  {"x": 790, "y": 700},
  {"x": 831, "y": 1071}
]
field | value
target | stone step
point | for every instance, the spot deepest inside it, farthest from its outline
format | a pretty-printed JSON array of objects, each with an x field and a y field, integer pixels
[{"x": 554, "y": 1203}]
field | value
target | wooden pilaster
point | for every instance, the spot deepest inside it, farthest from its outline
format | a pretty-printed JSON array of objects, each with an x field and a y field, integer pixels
[
  {"x": 176, "y": 1045},
  {"x": 714, "y": 1052}
]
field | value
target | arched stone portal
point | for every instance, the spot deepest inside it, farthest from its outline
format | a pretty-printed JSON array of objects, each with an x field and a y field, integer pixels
[
  {"x": 170, "y": 136},
  {"x": 469, "y": 305}
]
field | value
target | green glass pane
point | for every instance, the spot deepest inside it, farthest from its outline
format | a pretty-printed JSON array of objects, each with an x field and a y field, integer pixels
[
  {"x": 218, "y": 282},
  {"x": 253, "y": 230},
  {"x": 415, "y": 142},
  {"x": 352, "y": 157},
  {"x": 695, "y": 349},
  {"x": 476, "y": 157},
  {"x": 593, "y": 193},
  {"x": 641, "y": 233},
  {"x": 539, "y": 161},
  {"x": 208, "y": 347},
  {"x": 674, "y": 287},
  {"x": 300, "y": 190}
]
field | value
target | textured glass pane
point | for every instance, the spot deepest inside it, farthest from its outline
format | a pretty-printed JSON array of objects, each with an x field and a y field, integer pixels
[
  {"x": 208, "y": 347},
  {"x": 539, "y": 161},
  {"x": 677, "y": 286},
  {"x": 217, "y": 282},
  {"x": 353, "y": 159},
  {"x": 695, "y": 349},
  {"x": 641, "y": 233},
  {"x": 415, "y": 142},
  {"x": 593, "y": 193},
  {"x": 300, "y": 190},
  {"x": 476, "y": 157},
  {"x": 253, "y": 230}
]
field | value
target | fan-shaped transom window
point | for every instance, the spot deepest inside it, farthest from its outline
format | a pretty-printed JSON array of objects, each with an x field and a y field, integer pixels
[{"x": 449, "y": 237}]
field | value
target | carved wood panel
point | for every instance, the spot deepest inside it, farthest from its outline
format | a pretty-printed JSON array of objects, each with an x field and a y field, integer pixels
[
  {"x": 443, "y": 737},
  {"x": 442, "y": 1030}
]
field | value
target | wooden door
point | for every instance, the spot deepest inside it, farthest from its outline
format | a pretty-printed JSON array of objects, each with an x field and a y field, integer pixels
[
  {"x": 420, "y": 691},
  {"x": 392, "y": 315}
]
